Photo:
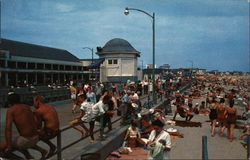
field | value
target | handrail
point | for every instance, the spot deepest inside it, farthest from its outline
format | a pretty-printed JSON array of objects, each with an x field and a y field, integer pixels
[
  {"x": 59, "y": 145},
  {"x": 60, "y": 149}
]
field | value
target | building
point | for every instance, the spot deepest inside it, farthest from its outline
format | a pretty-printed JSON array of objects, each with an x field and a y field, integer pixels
[
  {"x": 165, "y": 66},
  {"x": 23, "y": 63},
  {"x": 160, "y": 73},
  {"x": 198, "y": 71},
  {"x": 119, "y": 61},
  {"x": 149, "y": 66},
  {"x": 92, "y": 69}
]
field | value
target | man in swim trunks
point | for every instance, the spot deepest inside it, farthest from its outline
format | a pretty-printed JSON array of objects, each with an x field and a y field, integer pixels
[
  {"x": 47, "y": 115},
  {"x": 22, "y": 116}
]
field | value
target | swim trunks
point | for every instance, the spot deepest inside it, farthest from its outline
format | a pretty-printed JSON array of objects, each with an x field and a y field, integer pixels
[{"x": 21, "y": 142}]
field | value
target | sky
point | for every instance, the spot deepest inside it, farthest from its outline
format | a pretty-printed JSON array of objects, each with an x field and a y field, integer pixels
[{"x": 210, "y": 34}]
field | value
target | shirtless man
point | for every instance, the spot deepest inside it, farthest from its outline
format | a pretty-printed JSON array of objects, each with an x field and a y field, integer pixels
[
  {"x": 22, "y": 116},
  {"x": 47, "y": 115},
  {"x": 183, "y": 112}
]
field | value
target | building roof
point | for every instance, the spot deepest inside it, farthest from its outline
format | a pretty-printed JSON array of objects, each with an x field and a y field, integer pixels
[
  {"x": 36, "y": 51},
  {"x": 156, "y": 71},
  {"x": 117, "y": 45}
]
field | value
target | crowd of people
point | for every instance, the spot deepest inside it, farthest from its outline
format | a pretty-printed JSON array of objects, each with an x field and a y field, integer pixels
[
  {"x": 90, "y": 105},
  {"x": 97, "y": 104},
  {"x": 220, "y": 104},
  {"x": 222, "y": 98}
]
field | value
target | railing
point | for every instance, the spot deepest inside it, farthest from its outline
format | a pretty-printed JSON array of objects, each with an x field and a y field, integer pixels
[
  {"x": 204, "y": 148},
  {"x": 60, "y": 149}
]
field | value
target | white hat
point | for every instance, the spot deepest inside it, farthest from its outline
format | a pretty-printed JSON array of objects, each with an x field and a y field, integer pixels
[{"x": 151, "y": 110}]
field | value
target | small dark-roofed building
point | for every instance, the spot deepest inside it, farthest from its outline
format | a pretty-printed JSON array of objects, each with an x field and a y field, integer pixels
[
  {"x": 23, "y": 63},
  {"x": 22, "y": 49},
  {"x": 120, "y": 61}
]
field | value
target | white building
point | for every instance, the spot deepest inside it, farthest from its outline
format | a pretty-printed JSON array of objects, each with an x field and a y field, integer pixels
[{"x": 120, "y": 61}]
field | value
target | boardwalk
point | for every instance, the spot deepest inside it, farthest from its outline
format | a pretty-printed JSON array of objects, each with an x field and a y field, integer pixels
[
  {"x": 65, "y": 116},
  {"x": 189, "y": 147}
]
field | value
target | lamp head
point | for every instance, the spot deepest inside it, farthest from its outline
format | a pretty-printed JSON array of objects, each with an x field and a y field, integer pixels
[{"x": 126, "y": 12}]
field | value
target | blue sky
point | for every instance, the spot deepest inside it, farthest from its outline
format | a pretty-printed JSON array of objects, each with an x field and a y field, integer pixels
[{"x": 214, "y": 34}]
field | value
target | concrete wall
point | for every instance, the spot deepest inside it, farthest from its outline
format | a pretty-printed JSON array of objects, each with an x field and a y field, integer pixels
[{"x": 126, "y": 67}]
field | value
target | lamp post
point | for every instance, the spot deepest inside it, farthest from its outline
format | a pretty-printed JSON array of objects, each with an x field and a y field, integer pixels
[
  {"x": 126, "y": 12},
  {"x": 92, "y": 60}
]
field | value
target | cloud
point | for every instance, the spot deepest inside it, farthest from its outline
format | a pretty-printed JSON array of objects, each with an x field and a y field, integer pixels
[
  {"x": 64, "y": 7},
  {"x": 203, "y": 31}
]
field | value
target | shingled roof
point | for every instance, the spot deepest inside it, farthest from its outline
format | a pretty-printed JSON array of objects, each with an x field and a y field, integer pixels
[
  {"x": 36, "y": 51},
  {"x": 117, "y": 45}
]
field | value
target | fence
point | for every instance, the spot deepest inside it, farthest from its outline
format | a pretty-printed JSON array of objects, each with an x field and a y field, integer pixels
[
  {"x": 60, "y": 149},
  {"x": 27, "y": 94}
]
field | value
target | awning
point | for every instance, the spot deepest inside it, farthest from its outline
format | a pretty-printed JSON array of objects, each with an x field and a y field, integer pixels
[{"x": 96, "y": 64}]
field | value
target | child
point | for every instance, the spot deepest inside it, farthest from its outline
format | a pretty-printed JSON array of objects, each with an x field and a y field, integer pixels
[{"x": 133, "y": 135}]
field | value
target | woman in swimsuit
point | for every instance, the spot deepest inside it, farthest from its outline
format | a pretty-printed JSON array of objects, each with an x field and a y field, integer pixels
[
  {"x": 213, "y": 115},
  {"x": 231, "y": 115},
  {"x": 221, "y": 116}
]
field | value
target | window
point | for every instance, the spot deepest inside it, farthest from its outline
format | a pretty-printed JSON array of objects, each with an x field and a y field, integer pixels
[
  {"x": 40, "y": 66},
  {"x": 110, "y": 61},
  {"x": 11, "y": 64},
  {"x": 2, "y": 63}
]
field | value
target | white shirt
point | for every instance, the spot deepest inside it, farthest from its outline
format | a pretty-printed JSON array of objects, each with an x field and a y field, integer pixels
[
  {"x": 163, "y": 135},
  {"x": 87, "y": 108},
  {"x": 150, "y": 87},
  {"x": 86, "y": 86},
  {"x": 98, "y": 109},
  {"x": 135, "y": 96}
]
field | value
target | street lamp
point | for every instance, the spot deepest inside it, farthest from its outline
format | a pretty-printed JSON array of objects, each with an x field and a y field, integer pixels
[
  {"x": 92, "y": 60},
  {"x": 126, "y": 12}
]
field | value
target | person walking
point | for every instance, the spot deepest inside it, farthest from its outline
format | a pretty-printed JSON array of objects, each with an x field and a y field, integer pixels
[
  {"x": 231, "y": 116},
  {"x": 221, "y": 116},
  {"x": 213, "y": 115}
]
